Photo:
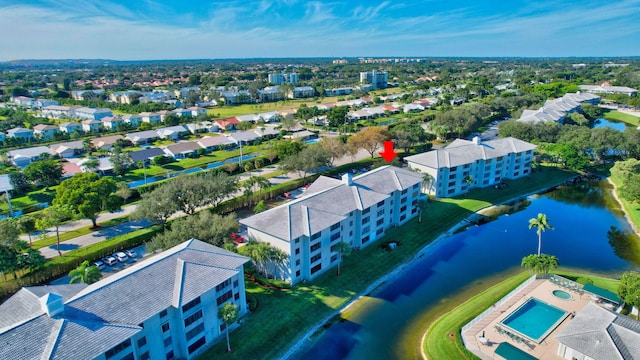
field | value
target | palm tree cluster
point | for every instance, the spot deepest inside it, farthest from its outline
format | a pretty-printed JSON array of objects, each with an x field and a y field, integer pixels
[
  {"x": 540, "y": 264},
  {"x": 253, "y": 184},
  {"x": 263, "y": 255}
]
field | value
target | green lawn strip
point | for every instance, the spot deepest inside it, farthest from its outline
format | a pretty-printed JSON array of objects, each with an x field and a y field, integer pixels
[
  {"x": 438, "y": 343},
  {"x": 632, "y": 209},
  {"x": 622, "y": 117},
  {"x": 50, "y": 240},
  {"x": 30, "y": 200},
  {"x": 291, "y": 313}
]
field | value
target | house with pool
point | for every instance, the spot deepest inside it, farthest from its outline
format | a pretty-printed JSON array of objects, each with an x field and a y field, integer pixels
[
  {"x": 464, "y": 165},
  {"x": 554, "y": 318},
  {"x": 356, "y": 210}
]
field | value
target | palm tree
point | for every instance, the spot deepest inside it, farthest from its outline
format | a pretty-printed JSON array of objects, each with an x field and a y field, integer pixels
[
  {"x": 84, "y": 273},
  {"x": 541, "y": 223},
  {"x": 468, "y": 180},
  {"x": 343, "y": 249},
  {"x": 422, "y": 205},
  {"x": 229, "y": 314}
]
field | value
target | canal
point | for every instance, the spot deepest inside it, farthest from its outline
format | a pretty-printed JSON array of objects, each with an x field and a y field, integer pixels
[{"x": 381, "y": 325}]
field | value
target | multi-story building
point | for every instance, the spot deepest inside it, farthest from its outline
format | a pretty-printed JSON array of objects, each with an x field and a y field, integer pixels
[
  {"x": 279, "y": 79},
  {"x": 86, "y": 94},
  {"x": 464, "y": 164},
  {"x": 301, "y": 92},
  {"x": 90, "y": 113},
  {"x": 165, "y": 307},
  {"x": 354, "y": 210},
  {"x": 270, "y": 93},
  {"x": 377, "y": 79}
]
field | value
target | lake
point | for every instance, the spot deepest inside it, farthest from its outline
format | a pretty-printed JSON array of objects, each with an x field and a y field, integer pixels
[
  {"x": 615, "y": 125},
  {"x": 582, "y": 216}
]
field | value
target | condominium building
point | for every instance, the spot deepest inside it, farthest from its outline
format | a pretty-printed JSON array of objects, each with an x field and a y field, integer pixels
[
  {"x": 165, "y": 307},
  {"x": 355, "y": 210},
  {"x": 377, "y": 79},
  {"x": 279, "y": 79},
  {"x": 464, "y": 164}
]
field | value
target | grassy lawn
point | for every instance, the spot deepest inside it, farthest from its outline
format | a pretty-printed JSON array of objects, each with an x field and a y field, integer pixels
[
  {"x": 291, "y": 313},
  {"x": 622, "y": 117},
  {"x": 631, "y": 208},
  {"x": 31, "y": 199},
  {"x": 50, "y": 240},
  {"x": 439, "y": 345}
]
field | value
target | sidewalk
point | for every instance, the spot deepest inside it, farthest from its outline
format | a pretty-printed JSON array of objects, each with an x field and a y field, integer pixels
[{"x": 102, "y": 234}]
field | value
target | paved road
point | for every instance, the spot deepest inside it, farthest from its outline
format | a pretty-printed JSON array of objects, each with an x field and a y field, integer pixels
[{"x": 102, "y": 234}]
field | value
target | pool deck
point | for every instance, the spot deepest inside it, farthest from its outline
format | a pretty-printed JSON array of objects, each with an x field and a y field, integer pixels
[{"x": 541, "y": 289}]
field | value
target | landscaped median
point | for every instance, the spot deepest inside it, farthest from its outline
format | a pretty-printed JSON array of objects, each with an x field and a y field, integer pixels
[{"x": 443, "y": 340}]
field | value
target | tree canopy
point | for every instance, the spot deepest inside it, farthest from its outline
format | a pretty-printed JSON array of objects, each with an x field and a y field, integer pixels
[
  {"x": 369, "y": 139},
  {"x": 629, "y": 288},
  {"x": 87, "y": 195},
  {"x": 46, "y": 172}
]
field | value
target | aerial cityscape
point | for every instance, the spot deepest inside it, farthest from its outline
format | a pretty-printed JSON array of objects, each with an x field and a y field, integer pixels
[{"x": 320, "y": 180}]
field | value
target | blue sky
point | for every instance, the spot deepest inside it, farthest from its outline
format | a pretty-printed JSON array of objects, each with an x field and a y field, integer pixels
[{"x": 173, "y": 29}]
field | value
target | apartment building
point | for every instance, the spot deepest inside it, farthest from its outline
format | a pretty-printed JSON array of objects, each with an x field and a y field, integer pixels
[
  {"x": 279, "y": 79},
  {"x": 165, "y": 307},
  {"x": 377, "y": 79},
  {"x": 464, "y": 164},
  {"x": 356, "y": 210}
]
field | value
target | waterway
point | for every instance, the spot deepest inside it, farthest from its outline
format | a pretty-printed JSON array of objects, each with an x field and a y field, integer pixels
[
  {"x": 615, "y": 125},
  {"x": 379, "y": 325}
]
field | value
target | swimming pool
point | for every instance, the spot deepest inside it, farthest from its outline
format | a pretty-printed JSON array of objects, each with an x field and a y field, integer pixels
[
  {"x": 534, "y": 319},
  {"x": 561, "y": 294}
]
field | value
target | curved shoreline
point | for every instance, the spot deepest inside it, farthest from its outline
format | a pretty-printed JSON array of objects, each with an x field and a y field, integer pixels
[
  {"x": 302, "y": 342},
  {"x": 624, "y": 210}
]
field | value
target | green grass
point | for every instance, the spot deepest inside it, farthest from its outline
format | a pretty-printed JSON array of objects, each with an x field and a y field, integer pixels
[
  {"x": 622, "y": 117},
  {"x": 50, "y": 240},
  {"x": 438, "y": 342},
  {"x": 632, "y": 209},
  {"x": 31, "y": 199},
  {"x": 290, "y": 313}
]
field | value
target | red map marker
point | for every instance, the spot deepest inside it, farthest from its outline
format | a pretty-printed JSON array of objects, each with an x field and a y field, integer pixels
[{"x": 388, "y": 154}]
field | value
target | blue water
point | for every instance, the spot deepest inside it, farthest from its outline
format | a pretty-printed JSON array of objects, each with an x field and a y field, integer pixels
[
  {"x": 580, "y": 240},
  {"x": 152, "y": 179},
  {"x": 620, "y": 126},
  {"x": 534, "y": 319}
]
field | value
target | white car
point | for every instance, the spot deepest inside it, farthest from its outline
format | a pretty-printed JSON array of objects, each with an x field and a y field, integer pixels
[
  {"x": 99, "y": 264},
  {"x": 110, "y": 260},
  {"x": 131, "y": 253},
  {"x": 122, "y": 257}
]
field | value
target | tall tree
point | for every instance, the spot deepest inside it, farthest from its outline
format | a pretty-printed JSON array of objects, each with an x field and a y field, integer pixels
[
  {"x": 54, "y": 216},
  {"x": 27, "y": 224},
  {"x": 369, "y": 139},
  {"x": 407, "y": 135},
  {"x": 87, "y": 195},
  {"x": 211, "y": 228},
  {"x": 47, "y": 172},
  {"x": 541, "y": 223},
  {"x": 343, "y": 249},
  {"x": 229, "y": 314},
  {"x": 334, "y": 147},
  {"x": 629, "y": 288},
  {"x": 84, "y": 273}
]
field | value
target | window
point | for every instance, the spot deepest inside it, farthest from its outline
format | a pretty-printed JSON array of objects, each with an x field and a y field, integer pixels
[
  {"x": 316, "y": 258},
  {"x": 145, "y": 356},
  {"x": 365, "y": 220},
  {"x": 452, "y": 169},
  {"x": 403, "y": 217},
  {"x": 142, "y": 341},
  {"x": 315, "y": 236},
  {"x": 351, "y": 223},
  {"x": 404, "y": 191},
  {"x": 221, "y": 299},
  {"x": 170, "y": 355},
  {"x": 403, "y": 200},
  {"x": 466, "y": 166},
  {"x": 298, "y": 251},
  {"x": 335, "y": 226},
  {"x": 195, "y": 331},
  {"x": 415, "y": 194},
  {"x": 235, "y": 283},
  {"x": 196, "y": 345},
  {"x": 416, "y": 186},
  {"x": 414, "y": 202},
  {"x": 486, "y": 182},
  {"x": 516, "y": 173},
  {"x": 379, "y": 231},
  {"x": 379, "y": 222},
  {"x": 298, "y": 262},
  {"x": 118, "y": 348},
  {"x": 298, "y": 273},
  {"x": 129, "y": 356},
  {"x": 297, "y": 240},
  {"x": 380, "y": 213},
  {"x": 195, "y": 302},
  {"x": 236, "y": 296},
  {"x": 316, "y": 268},
  {"x": 334, "y": 258},
  {"x": 221, "y": 287},
  {"x": 192, "y": 318},
  {"x": 450, "y": 191},
  {"x": 165, "y": 327},
  {"x": 365, "y": 230},
  {"x": 168, "y": 342},
  {"x": 315, "y": 247},
  {"x": 453, "y": 183},
  {"x": 163, "y": 313},
  {"x": 365, "y": 239},
  {"x": 404, "y": 208},
  {"x": 381, "y": 203},
  {"x": 335, "y": 236}
]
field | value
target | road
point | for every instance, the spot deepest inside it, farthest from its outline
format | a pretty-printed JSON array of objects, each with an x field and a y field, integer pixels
[{"x": 109, "y": 232}]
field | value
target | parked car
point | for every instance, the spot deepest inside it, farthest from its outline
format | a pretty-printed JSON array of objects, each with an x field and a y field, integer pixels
[
  {"x": 99, "y": 264},
  {"x": 122, "y": 257},
  {"x": 110, "y": 260},
  {"x": 131, "y": 253}
]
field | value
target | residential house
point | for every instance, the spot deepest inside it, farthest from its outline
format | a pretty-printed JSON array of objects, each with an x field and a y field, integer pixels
[
  {"x": 407, "y": 108},
  {"x": 266, "y": 132},
  {"x": 212, "y": 143},
  {"x": 133, "y": 120},
  {"x": 69, "y": 169},
  {"x": 302, "y": 135},
  {"x": 59, "y": 111},
  {"x": 25, "y": 156},
  {"x": 164, "y": 113},
  {"x": 162, "y": 307},
  {"x": 41, "y": 103},
  {"x": 70, "y": 127},
  {"x": 464, "y": 164},
  {"x": 23, "y": 101},
  {"x": 106, "y": 142},
  {"x": 299, "y": 92},
  {"x": 143, "y": 137},
  {"x": 67, "y": 149},
  {"x": 197, "y": 111},
  {"x": 172, "y": 132},
  {"x": 270, "y": 116},
  {"x": 596, "y": 333},
  {"x": 105, "y": 167},
  {"x": 608, "y": 89},
  {"x": 126, "y": 97},
  {"x": 90, "y": 126},
  {"x": 181, "y": 112},
  {"x": 202, "y": 127},
  {"x": 243, "y": 137},
  {"x": 20, "y": 133},
  {"x": 45, "y": 132},
  {"x": 182, "y": 150},
  {"x": 153, "y": 118},
  {"x": 86, "y": 94},
  {"x": 227, "y": 124},
  {"x": 248, "y": 118},
  {"x": 92, "y": 113},
  {"x": 112, "y": 122},
  {"x": 355, "y": 210},
  {"x": 146, "y": 155},
  {"x": 184, "y": 92}
]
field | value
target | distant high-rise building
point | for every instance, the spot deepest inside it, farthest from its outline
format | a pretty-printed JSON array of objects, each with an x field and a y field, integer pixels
[
  {"x": 378, "y": 79},
  {"x": 340, "y": 61},
  {"x": 279, "y": 79}
]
